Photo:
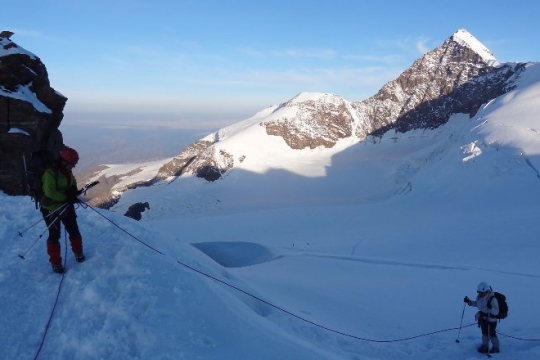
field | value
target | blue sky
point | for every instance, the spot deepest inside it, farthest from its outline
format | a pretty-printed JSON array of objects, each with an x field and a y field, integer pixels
[{"x": 206, "y": 63}]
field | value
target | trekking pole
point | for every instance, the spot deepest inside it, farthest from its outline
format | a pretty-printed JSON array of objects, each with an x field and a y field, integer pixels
[
  {"x": 87, "y": 187},
  {"x": 488, "y": 333},
  {"x": 461, "y": 322},
  {"x": 21, "y": 232},
  {"x": 64, "y": 207}
]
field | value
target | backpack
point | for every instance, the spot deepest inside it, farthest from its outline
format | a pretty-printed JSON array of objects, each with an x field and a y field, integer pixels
[
  {"x": 503, "y": 305},
  {"x": 34, "y": 167}
]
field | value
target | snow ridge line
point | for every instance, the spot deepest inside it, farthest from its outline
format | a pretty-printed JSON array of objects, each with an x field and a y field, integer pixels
[{"x": 284, "y": 310}]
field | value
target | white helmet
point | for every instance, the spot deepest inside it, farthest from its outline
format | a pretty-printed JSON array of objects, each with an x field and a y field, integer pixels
[{"x": 483, "y": 287}]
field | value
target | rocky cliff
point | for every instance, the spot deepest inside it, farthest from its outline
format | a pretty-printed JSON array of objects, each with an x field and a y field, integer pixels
[
  {"x": 456, "y": 77},
  {"x": 30, "y": 113}
]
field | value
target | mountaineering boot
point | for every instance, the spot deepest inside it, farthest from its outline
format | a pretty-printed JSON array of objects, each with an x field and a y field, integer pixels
[
  {"x": 76, "y": 245},
  {"x": 495, "y": 348},
  {"x": 485, "y": 343},
  {"x": 53, "y": 249},
  {"x": 58, "y": 268},
  {"x": 483, "y": 349},
  {"x": 80, "y": 257}
]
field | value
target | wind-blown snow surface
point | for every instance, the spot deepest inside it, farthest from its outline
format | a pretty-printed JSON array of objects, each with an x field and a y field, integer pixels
[{"x": 383, "y": 246}]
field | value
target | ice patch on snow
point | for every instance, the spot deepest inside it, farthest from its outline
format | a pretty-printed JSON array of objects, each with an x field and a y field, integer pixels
[{"x": 236, "y": 254}]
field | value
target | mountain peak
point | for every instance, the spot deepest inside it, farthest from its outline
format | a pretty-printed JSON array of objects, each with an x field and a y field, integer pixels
[
  {"x": 465, "y": 38},
  {"x": 310, "y": 96}
]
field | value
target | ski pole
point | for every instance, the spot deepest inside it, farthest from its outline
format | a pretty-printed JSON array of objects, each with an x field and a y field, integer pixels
[
  {"x": 64, "y": 207},
  {"x": 461, "y": 323}
]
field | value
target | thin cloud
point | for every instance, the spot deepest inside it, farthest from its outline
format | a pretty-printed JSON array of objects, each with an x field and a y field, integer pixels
[
  {"x": 28, "y": 33},
  {"x": 417, "y": 46},
  {"x": 383, "y": 59},
  {"x": 322, "y": 54},
  {"x": 365, "y": 78},
  {"x": 422, "y": 46}
]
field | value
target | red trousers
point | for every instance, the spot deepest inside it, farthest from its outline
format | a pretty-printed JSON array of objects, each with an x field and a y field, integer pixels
[{"x": 53, "y": 219}]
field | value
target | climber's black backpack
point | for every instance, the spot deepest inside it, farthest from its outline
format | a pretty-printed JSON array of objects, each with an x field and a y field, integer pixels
[
  {"x": 503, "y": 305},
  {"x": 35, "y": 166}
]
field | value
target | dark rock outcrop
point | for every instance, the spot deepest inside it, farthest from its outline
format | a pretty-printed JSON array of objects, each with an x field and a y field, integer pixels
[
  {"x": 135, "y": 211},
  {"x": 30, "y": 113},
  {"x": 198, "y": 159},
  {"x": 329, "y": 119}
]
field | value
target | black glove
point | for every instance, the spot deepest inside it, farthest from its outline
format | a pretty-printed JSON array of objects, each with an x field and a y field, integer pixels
[
  {"x": 72, "y": 199},
  {"x": 467, "y": 300},
  {"x": 71, "y": 195},
  {"x": 71, "y": 191}
]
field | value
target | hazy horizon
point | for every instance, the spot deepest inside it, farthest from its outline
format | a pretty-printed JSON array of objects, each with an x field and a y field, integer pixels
[
  {"x": 217, "y": 61},
  {"x": 120, "y": 144}
]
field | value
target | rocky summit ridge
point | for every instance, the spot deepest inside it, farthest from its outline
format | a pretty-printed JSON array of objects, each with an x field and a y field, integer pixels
[{"x": 456, "y": 77}]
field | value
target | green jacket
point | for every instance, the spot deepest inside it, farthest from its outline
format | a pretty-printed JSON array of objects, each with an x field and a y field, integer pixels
[{"x": 55, "y": 187}]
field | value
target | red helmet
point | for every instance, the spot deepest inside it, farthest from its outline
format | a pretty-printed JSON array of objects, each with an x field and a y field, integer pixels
[{"x": 69, "y": 155}]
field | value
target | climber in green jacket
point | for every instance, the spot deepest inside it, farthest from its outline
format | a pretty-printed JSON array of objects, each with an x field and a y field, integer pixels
[{"x": 57, "y": 206}]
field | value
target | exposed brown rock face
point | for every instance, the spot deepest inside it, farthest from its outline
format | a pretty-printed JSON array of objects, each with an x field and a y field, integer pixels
[
  {"x": 30, "y": 113},
  {"x": 198, "y": 159},
  {"x": 450, "y": 79},
  {"x": 447, "y": 80},
  {"x": 315, "y": 124}
]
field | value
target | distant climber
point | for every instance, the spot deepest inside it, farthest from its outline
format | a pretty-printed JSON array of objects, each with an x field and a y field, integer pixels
[{"x": 488, "y": 307}]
